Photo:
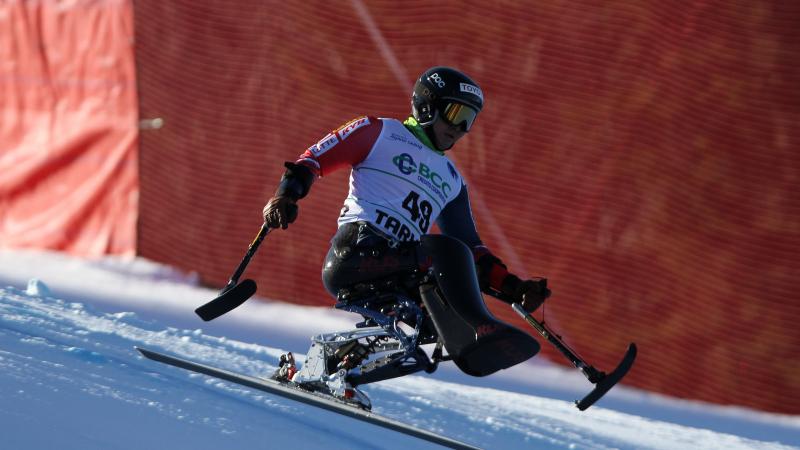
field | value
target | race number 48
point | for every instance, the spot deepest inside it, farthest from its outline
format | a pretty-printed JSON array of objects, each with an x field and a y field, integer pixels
[{"x": 420, "y": 210}]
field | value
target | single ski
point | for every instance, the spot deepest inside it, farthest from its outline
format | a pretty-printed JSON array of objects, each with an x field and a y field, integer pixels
[{"x": 303, "y": 396}]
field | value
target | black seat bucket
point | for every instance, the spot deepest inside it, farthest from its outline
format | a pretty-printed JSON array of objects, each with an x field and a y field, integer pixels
[{"x": 478, "y": 343}]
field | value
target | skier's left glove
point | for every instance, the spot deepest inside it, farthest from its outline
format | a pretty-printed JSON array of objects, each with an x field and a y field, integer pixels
[{"x": 530, "y": 294}]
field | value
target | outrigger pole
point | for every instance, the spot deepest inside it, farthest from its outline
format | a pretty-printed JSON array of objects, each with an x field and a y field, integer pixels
[{"x": 603, "y": 381}]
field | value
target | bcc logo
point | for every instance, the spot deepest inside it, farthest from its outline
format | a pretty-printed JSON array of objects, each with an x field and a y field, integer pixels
[{"x": 405, "y": 163}]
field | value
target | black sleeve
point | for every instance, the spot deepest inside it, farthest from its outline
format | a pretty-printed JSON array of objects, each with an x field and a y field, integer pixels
[
  {"x": 456, "y": 220},
  {"x": 296, "y": 181}
]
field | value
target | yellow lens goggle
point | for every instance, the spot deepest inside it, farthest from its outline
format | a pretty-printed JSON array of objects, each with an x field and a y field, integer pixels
[{"x": 460, "y": 115}]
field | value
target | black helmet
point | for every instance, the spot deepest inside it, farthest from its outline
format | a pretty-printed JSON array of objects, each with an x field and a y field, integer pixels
[{"x": 441, "y": 92}]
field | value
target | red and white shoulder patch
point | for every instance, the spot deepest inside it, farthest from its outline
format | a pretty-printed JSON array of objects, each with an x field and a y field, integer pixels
[
  {"x": 348, "y": 128},
  {"x": 340, "y": 134}
]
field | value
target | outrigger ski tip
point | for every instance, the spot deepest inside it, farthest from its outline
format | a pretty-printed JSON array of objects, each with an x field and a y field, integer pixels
[
  {"x": 608, "y": 381},
  {"x": 229, "y": 298},
  {"x": 234, "y": 293},
  {"x": 603, "y": 382}
]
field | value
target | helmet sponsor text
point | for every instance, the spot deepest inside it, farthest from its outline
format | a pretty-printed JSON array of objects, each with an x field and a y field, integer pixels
[
  {"x": 437, "y": 79},
  {"x": 470, "y": 89}
]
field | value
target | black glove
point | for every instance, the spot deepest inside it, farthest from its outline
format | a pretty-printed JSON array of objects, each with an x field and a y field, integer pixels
[
  {"x": 280, "y": 211},
  {"x": 530, "y": 294}
]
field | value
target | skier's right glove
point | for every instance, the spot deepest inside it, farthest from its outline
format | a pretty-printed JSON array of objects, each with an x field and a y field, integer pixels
[{"x": 280, "y": 211}]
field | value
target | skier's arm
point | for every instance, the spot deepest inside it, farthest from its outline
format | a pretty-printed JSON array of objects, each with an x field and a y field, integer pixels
[
  {"x": 281, "y": 210},
  {"x": 344, "y": 147},
  {"x": 494, "y": 277},
  {"x": 456, "y": 220}
]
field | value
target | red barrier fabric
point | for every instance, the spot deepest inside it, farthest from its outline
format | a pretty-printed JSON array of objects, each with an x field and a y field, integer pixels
[
  {"x": 642, "y": 156},
  {"x": 68, "y": 129}
]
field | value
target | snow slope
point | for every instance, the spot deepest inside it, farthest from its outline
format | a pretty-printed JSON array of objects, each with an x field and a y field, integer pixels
[{"x": 69, "y": 378}]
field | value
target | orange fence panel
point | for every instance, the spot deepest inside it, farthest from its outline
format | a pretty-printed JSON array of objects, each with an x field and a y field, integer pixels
[{"x": 68, "y": 133}]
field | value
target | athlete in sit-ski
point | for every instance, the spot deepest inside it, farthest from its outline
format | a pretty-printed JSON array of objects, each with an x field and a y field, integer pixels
[{"x": 401, "y": 182}]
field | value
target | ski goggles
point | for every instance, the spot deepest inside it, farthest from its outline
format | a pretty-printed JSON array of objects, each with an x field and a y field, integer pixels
[{"x": 459, "y": 115}]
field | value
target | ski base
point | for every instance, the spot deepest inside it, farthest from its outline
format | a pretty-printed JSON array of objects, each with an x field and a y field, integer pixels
[{"x": 309, "y": 398}]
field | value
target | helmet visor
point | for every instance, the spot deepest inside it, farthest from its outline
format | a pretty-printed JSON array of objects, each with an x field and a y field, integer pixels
[{"x": 459, "y": 115}]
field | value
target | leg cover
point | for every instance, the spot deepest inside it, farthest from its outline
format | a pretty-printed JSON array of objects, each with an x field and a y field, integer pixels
[{"x": 478, "y": 343}]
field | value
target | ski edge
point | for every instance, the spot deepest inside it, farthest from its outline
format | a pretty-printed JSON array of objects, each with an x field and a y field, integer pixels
[{"x": 274, "y": 387}]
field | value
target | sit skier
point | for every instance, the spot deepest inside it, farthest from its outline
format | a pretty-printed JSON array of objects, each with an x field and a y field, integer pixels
[{"x": 401, "y": 182}]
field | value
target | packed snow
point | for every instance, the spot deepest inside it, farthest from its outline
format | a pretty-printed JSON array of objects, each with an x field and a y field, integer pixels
[{"x": 71, "y": 379}]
